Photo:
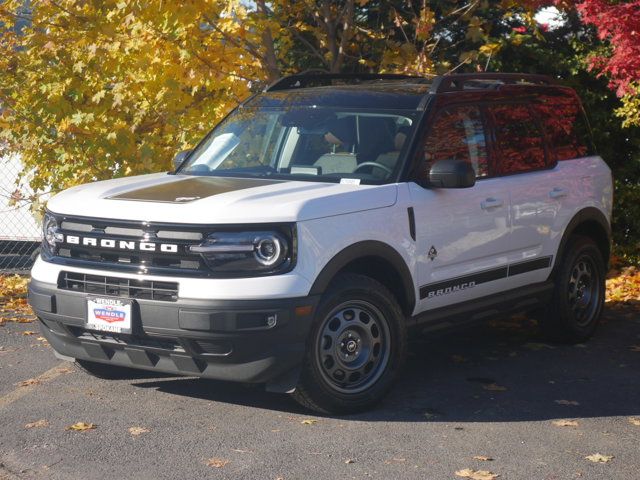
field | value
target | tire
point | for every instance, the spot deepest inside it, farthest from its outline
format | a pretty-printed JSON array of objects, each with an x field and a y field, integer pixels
[
  {"x": 110, "y": 372},
  {"x": 575, "y": 309},
  {"x": 356, "y": 347}
]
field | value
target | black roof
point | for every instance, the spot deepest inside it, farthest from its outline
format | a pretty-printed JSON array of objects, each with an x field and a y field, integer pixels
[
  {"x": 396, "y": 95},
  {"x": 382, "y": 91}
]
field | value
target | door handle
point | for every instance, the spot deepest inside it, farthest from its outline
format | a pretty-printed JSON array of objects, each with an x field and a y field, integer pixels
[
  {"x": 558, "y": 192},
  {"x": 490, "y": 203}
]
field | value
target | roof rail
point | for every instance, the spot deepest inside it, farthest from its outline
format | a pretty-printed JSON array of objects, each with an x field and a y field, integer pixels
[
  {"x": 456, "y": 81},
  {"x": 319, "y": 78}
]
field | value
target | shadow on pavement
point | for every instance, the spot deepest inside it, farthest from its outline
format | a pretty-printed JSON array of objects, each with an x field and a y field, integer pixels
[{"x": 497, "y": 372}]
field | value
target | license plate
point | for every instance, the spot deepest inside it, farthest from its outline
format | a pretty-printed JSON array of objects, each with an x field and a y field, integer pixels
[{"x": 109, "y": 315}]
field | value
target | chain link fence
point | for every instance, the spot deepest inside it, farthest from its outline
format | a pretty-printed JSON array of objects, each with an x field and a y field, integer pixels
[{"x": 19, "y": 228}]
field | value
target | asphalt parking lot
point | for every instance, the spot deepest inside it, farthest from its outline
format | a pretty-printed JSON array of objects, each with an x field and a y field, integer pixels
[{"x": 491, "y": 391}]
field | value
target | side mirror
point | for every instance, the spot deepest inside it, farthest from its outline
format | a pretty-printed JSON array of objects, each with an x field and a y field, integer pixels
[
  {"x": 452, "y": 173},
  {"x": 180, "y": 157}
]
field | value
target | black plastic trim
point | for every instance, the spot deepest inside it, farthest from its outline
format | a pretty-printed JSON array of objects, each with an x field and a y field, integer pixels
[
  {"x": 412, "y": 223},
  {"x": 457, "y": 315},
  {"x": 370, "y": 248},
  {"x": 588, "y": 214}
]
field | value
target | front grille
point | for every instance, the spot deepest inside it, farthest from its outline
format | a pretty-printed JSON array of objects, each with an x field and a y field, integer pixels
[
  {"x": 118, "y": 287},
  {"x": 116, "y": 245}
]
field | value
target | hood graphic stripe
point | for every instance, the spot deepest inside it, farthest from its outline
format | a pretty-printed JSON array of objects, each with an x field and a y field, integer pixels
[{"x": 191, "y": 189}]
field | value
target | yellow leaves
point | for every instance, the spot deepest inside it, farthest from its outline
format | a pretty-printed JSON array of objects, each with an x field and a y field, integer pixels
[
  {"x": 476, "y": 474},
  {"x": 309, "y": 422},
  {"x": 623, "y": 287},
  {"x": 483, "y": 458},
  {"x": 217, "y": 462},
  {"x": 98, "y": 96},
  {"x": 137, "y": 431},
  {"x": 81, "y": 427},
  {"x": 634, "y": 421},
  {"x": 565, "y": 423},
  {"x": 13, "y": 286},
  {"x": 37, "y": 424},
  {"x": 490, "y": 49},
  {"x": 599, "y": 458}
]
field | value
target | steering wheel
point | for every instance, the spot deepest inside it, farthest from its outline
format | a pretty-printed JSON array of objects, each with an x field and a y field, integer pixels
[{"x": 374, "y": 164}]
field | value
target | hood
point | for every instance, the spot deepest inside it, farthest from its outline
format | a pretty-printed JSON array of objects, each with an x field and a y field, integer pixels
[{"x": 205, "y": 200}]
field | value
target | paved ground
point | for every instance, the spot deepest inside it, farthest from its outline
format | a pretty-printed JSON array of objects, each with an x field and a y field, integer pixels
[{"x": 447, "y": 408}]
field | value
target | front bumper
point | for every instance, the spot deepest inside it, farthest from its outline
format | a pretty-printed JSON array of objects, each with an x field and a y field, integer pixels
[{"x": 219, "y": 339}]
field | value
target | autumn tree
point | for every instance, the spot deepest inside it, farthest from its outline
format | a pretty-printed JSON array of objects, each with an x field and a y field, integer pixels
[{"x": 97, "y": 89}]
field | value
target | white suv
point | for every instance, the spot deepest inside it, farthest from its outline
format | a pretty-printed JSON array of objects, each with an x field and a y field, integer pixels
[{"x": 325, "y": 219}]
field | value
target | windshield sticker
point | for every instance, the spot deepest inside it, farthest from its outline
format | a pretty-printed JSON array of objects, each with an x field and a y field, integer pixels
[{"x": 350, "y": 181}]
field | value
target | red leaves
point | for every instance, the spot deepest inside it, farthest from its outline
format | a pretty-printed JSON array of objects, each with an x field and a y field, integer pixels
[{"x": 619, "y": 24}]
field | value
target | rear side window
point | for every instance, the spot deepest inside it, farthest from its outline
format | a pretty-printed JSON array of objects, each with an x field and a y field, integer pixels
[
  {"x": 457, "y": 133},
  {"x": 519, "y": 141},
  {"x": 564, "y": 126}
]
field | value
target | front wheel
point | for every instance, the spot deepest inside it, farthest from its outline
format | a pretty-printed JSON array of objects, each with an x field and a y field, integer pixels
[
  {"x": 574, "y": 312},
  {"x": 356, "y": 347}
]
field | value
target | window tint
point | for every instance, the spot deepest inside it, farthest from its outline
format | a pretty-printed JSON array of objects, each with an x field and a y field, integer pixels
[
  {"x": 564, "y": 126},
  {"x": 519, "y": 142},
  {"x": 457, "y": 133}
]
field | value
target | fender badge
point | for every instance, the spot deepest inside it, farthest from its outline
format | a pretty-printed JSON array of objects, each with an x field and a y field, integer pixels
[{"x": 433, "y": 253}]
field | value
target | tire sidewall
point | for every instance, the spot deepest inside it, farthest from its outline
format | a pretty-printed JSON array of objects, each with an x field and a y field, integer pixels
[
  {"x": 578, "y": 248},
  {"x": 346, "y": 291}
]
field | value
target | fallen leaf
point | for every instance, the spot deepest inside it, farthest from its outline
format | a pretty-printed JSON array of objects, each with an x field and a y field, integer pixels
[
  {"x": 136, "y": 431},
  {"x": 349, "y": 460},
  {"x": 567, "y": 402},
  {"x": 476, "y": 474},
  {"x": 30, "y": 381},
  {"x": 599, "y": 458},
  {"x": 81, "y": 427},
  {"x": 217, "y": 462},
  {"x": 309, "y": 422},
  {"x": 483, "y": 458},
  {"x": 565, "y": 423},
  {"x": 28, "y": 332},
  {"x": 38, "y": 424},
  {"x": 41, "y": 339},
  {"x": 494, "y": 387},
  {"x": 635, "y": 421}
]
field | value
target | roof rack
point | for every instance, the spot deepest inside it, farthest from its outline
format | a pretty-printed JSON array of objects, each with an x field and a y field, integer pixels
[
  {"x": 457, "y": 81},
  {"x": 319, "y": 78}
]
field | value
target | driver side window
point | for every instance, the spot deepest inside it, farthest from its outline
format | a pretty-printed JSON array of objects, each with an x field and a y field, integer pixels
[{"x": 457, "y": 133}]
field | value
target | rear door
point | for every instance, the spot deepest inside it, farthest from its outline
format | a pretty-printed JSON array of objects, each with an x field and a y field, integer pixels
[
  {"x": 535, "y": 190},
  {"x": 461, "y": 234}
]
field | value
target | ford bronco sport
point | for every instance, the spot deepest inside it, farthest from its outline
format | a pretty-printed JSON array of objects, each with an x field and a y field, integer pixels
[{"x": 321, "y": 221}]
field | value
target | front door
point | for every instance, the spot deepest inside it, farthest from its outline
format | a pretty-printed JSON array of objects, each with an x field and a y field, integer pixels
[{"x": 462, "y": 235}]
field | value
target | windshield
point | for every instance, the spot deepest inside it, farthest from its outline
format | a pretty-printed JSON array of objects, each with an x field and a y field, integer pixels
[{"x": 305, "y": 143}]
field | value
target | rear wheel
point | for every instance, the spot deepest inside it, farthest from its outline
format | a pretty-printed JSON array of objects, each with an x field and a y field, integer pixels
[
  {"x": 356, "y": 347},
  {"x": 574, "y": 312}
]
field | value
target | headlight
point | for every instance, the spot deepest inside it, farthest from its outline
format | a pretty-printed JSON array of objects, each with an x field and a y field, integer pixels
[
  {"x": 260, "y": 252},
  {"x": 50, "y": 233}
]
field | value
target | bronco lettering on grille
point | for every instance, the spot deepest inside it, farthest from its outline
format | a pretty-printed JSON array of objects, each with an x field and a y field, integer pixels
[{"x": 121, "y": 244}]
